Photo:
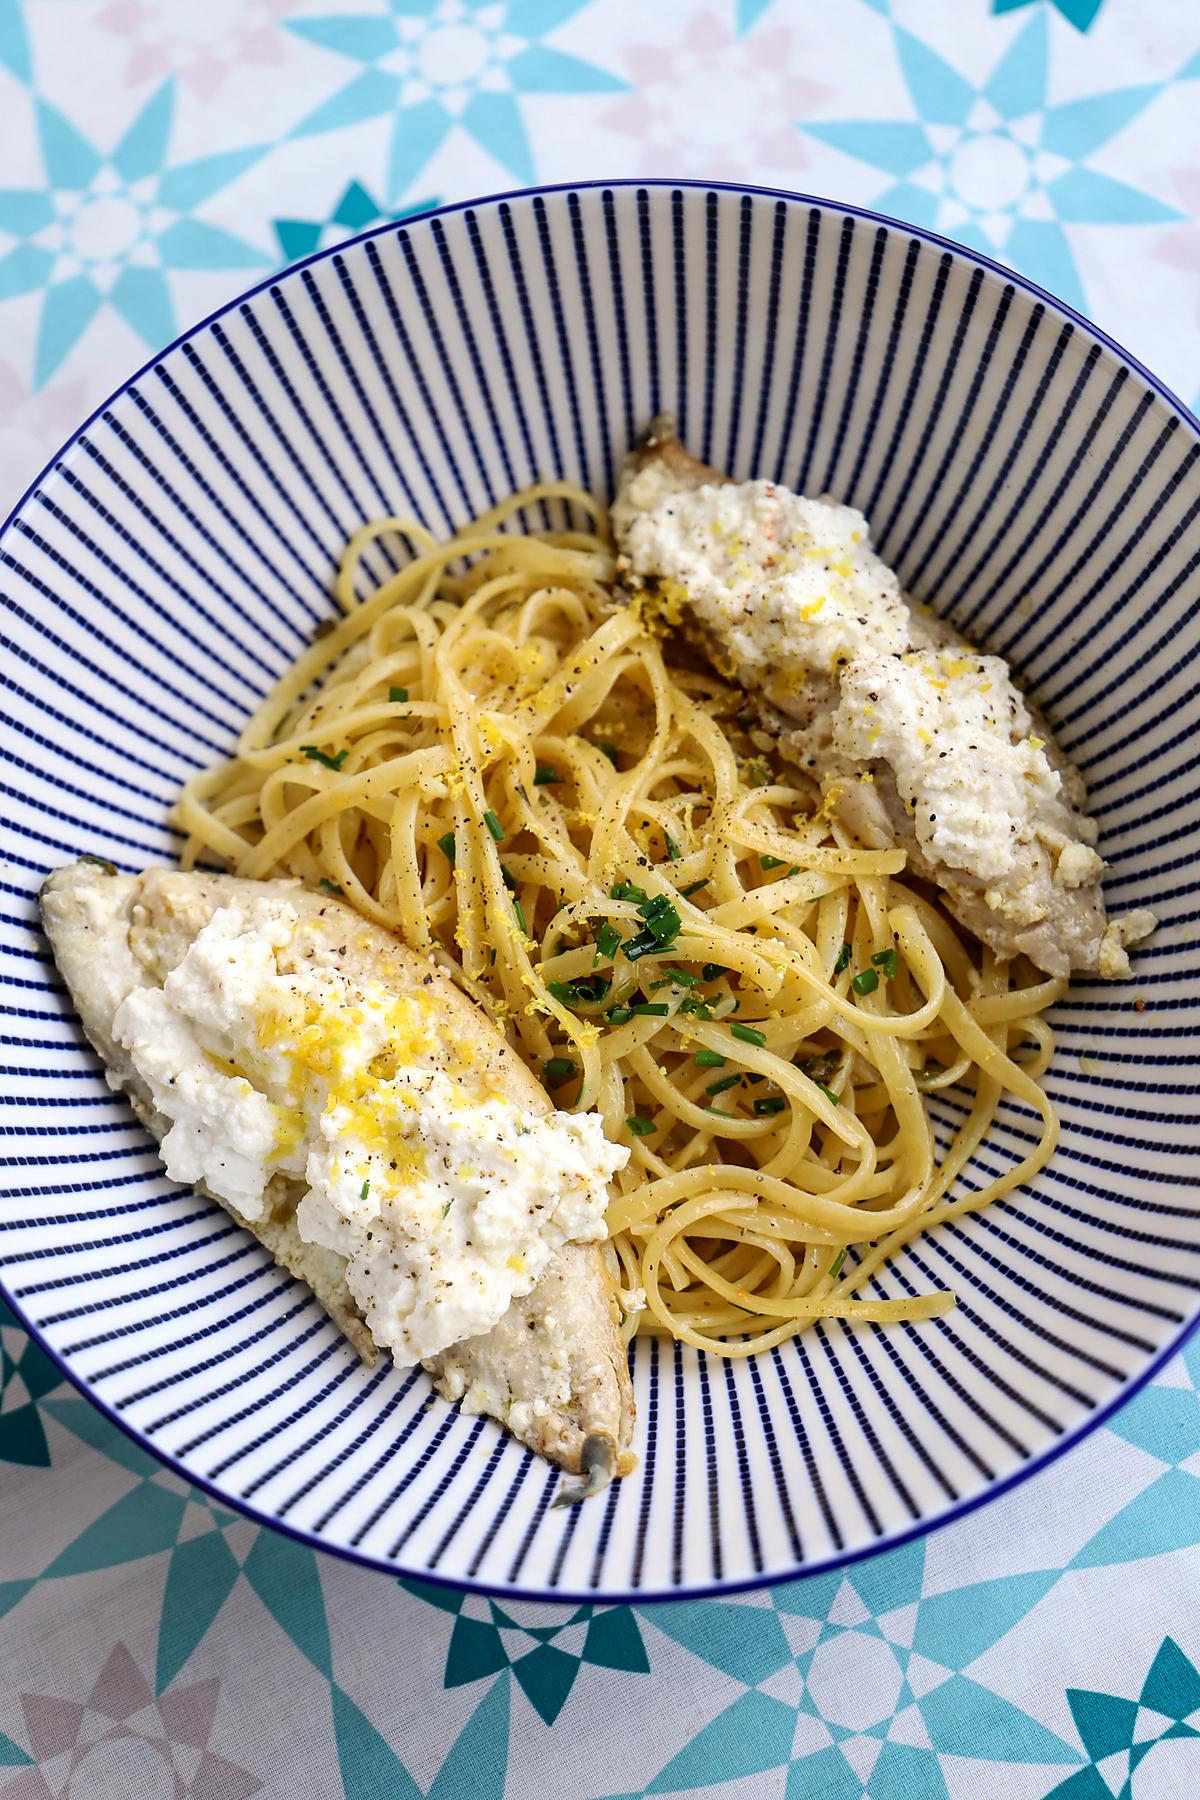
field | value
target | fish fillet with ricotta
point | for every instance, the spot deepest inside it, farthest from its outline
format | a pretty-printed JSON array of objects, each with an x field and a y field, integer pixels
[
  {"x": 913, "y": 737},
  {"x": 345, "y": 1102}
]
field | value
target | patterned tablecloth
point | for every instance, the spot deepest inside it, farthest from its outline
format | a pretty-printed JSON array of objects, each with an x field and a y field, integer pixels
[{"x": 158, "y": 155}]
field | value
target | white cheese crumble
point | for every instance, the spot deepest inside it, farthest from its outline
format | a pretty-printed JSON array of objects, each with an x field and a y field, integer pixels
[
  {"x": 788, "y": 586},
  {"x": 447, "y": 1204},
  {"x": 956, "y": 735}
]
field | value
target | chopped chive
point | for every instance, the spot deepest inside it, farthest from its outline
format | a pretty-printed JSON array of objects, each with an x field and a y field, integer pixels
[
  {"x": 770, "y": 862},
  {"x": 519, "y": 914},
  {"x": 843, "y": 959},
  {"x": 545, "y": 775},
  {"x": 865, "y": 982},
  {"x": 748, "y": 1035},
  {"x": 619, "y": 1015},
  {"x": 625, "y": 890},
  {"x": 769, "y": 1105},
  {"x": 557, "y": 1068},
  {"x": 717, "y": 1111},
  {"x": 329, "y": 762},
  {"x": 397, "y": 693},
  {"x": 331, "y": 887},
  {"x": 494, "y": 826},
  {"x": 709, "y": 1059},
  {"x": 680, "y": 977},
  {"x": 719, "y": 1087},
  {"x": 835, "y": 1267},
  {"x": 713, "y": 972},
  {"x": 608, "y": 941},
  {"x": 693, "y": 887},
  {"x": 640, "y": 1126},
  {"x": 889, "y": 962},
  {"x": 364, "y": 1190},
  {"x": 829, "y": 1094},
  {"x": 650, "y": 1009},
  {"x": 446, "y": 846},
  {"x": 642, "y": 945},
  {"x": 794, "y": 870},
  {"x": 510, "y": 880},
  {"x": 694, "y": 1005},
  {"x": 586, "y": 990},
  {"x": 447, "y": 1207},
  {"x": 609, "y": 750},
  {"x": 673, "y": 851}
]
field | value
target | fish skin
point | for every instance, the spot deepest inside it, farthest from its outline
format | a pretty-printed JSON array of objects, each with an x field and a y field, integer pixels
[{"x": 109, "y": 931}]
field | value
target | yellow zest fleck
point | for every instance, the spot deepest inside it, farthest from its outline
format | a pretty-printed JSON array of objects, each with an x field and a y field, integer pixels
[{"x": 1037, "y": 743}]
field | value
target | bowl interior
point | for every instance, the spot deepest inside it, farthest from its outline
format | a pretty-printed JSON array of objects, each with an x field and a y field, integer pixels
[{"x": 1022, "y": 477}]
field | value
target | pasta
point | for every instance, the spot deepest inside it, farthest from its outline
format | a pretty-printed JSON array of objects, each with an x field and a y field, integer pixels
[{"x": 492, "y": 758}]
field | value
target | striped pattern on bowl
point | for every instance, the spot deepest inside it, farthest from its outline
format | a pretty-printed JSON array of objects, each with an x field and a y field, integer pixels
[{"x": 1021, "y": 474}]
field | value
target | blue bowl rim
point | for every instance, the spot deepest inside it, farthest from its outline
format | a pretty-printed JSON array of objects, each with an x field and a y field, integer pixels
[{"x": 592, "y": 1596}]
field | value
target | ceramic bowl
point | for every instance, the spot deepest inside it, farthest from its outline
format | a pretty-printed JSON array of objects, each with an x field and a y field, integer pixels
[{"x": 1023, "y": 475}]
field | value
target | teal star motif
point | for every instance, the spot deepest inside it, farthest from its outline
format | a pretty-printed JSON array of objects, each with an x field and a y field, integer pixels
[
  {"x": 1118, "y": 1733},
  {"x": 856, "y": 1682},
  {"x": 109, "y": 229},
  {"x": 437, "y": 64},
  {"x": 544, "y": 1659},
  {"x": 25, "y": 1375},
  {"x": 1080, "y": 13},
  {"x": 355, "y": 211},
  {"x": 997, "y": 166}
]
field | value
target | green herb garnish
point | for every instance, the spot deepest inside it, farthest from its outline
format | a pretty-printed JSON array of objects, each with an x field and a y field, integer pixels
[
  {"x": 719, "y": 1087},
  {"x": 843, "y": 959},
  {"x": 865, "y": 982},
  {"x": 693, "y": 887},
  {"x": 364, "y": 1190},
  {"x": 829, "y": 1094},
  {"x": 694, "y": 1005},
  {"x": 608, "y": 941},
  {"x": 640, "y": 1126},
  {"x": 619, "y": 1015},
  {"x": 709, "y": 1059},
  {"x": 545, "y": 775},
  {"x": 889, "y": 962},
  {"x": 329, "y": 762},
  {"x": 519, "y": 915},
  {"x": 835, "y": 1267},
  {"x": 717, "y": 1111},
  {"x": 397, "y": 693},
  {"x": 609, "y": 750},
  {"x": 650, "y": 1009},
  {"x": 331, "y": 887},
  {"x": 557, "y": 1068},
  {"x": 770, "y": 862},
  {"x": 673, "y": 851},
  {"x": 748, "y": 1035},
  {"x": 769, "y": 1105},
  {"x": 494, "y": 826},
  {"x": 713, "y": 971},
  {"x": 625, "y": 890},
  {"x": 446, "y": 846}
]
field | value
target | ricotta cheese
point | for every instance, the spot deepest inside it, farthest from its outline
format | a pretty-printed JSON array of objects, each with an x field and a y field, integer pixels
[
  {"x": 788, "y": 587},
  {"x": 955, "y": 732},
  {"x": 447, "y": 1202}
]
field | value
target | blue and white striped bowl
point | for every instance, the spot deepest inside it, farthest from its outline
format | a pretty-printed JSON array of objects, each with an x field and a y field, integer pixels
[{"x": 1020, "y": 472}]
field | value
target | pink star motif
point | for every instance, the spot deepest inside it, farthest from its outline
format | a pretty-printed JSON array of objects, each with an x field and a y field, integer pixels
[
  {"x": 121, "y": 1732},
  {"x": 710, "y": 104},
  {"x": 202, "y": 44},
  {"x": 1180, "y": 249}
]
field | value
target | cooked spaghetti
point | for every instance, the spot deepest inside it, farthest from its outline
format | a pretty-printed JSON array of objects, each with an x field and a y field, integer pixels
[{"x": 496, "y": 760}]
